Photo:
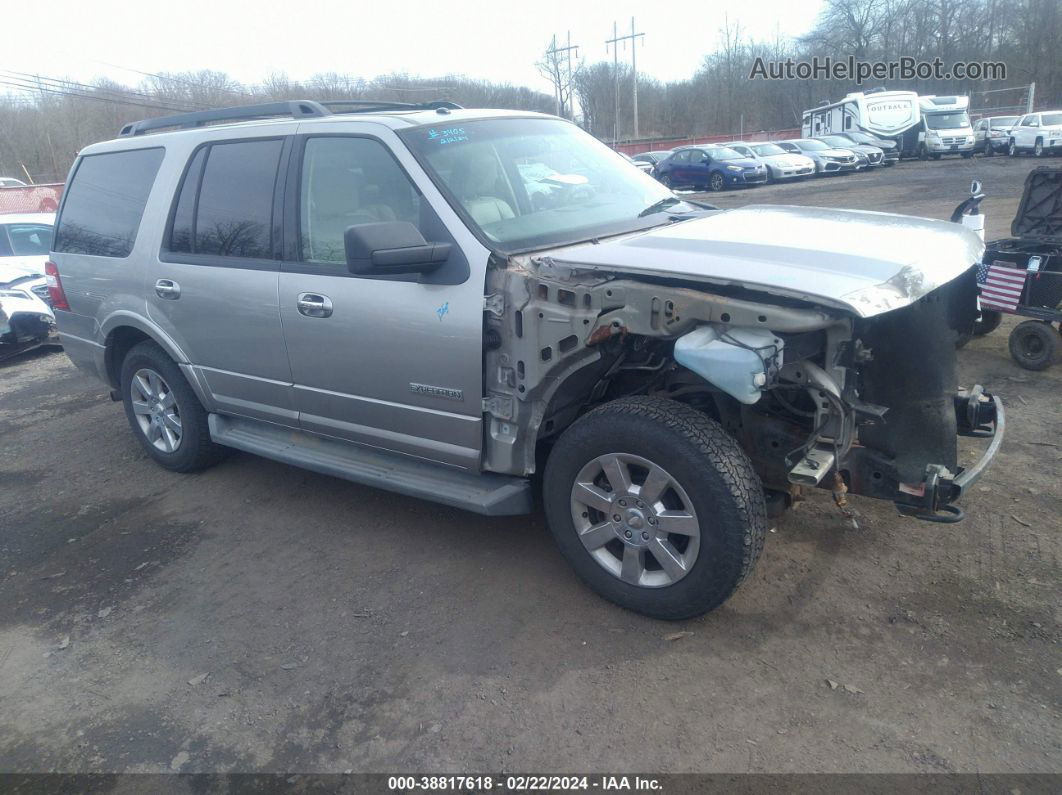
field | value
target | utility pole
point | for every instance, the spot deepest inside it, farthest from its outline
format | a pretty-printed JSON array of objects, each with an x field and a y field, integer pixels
[
  {"x": 1032, "y": 98},
  {"x": 614, "y": 41},
  {"x": 552, "y": 53}
]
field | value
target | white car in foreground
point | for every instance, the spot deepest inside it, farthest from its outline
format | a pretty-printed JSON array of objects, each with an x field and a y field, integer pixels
[
  {"x": 26, "y": 318},
  {"x": 780, "y": 163}
]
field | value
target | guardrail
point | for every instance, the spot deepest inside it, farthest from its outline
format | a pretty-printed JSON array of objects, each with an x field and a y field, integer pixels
[{"x": 31, "y": 198}]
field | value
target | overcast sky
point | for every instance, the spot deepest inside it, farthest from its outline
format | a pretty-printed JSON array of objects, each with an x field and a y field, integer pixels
[{"x": 498, "y": 40}]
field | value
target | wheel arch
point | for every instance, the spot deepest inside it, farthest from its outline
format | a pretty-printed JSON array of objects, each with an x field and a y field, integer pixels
[{"x": 124, "y": 330}]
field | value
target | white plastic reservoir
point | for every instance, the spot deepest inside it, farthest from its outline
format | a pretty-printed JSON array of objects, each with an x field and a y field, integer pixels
[{"x": 737, "y": 359}]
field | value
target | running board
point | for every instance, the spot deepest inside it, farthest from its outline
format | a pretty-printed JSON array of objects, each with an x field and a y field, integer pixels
[{"x": 489, "y": 494}]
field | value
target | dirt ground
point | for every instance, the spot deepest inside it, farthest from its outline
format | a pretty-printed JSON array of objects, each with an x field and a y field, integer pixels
[{"x": 259, "y": 617}]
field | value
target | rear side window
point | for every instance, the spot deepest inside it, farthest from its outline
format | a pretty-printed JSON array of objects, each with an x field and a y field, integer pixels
[
  {"x": 225, "y": 207},
  {"x": 105, "y": 202}
]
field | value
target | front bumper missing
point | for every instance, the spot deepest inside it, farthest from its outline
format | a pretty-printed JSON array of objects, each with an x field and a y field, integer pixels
[{"x": 981, "y": 416}]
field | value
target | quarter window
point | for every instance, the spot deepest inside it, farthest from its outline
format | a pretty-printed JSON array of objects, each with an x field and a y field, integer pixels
[
  {"x": 349, "y": 181},
  {"x": 225, "y": 207},
  {"x": 105, "y": 202}
]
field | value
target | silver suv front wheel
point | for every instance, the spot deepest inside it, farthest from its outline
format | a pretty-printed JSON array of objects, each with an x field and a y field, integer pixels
[
  {"x": 635, "y": 520},
  {"x": 655, "y": 506}
]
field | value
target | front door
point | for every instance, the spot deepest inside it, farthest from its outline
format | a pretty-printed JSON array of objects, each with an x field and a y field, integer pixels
[{"x": 395, "y": 363}]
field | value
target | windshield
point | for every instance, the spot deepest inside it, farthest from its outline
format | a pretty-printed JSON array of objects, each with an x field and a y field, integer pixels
[
  {"x": 535, "y": 183},
  {"x": 768, "y": 149},
  {"x": 947, "y": 121},
  {"x": 863, "y": 138},
  {"x": 811, "y": 146},
  {"x": 1051, "y": 119},
  {"x": 836, "y": 140},
  {"x": 1004, "y": 121},
  {"x": 27, "y": 240}
]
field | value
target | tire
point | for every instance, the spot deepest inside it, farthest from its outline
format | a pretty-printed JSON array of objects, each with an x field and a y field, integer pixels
[
  {"x": 967, "y": 155},
  {"x": 989, "y": 151},
  {"x": 717, "y": 183},
  {"x": 707, "y": 475},
  {"x": 1034, "y": 344},
  {"x": 1012, "y": 148},
  {"x": 154, "y": 371},
  {"x": 1038, "y": 148},
  {"x": 935, "y": 156},
  {"x": 666, "y": 182},
  {"x": 923, "y": 153}
]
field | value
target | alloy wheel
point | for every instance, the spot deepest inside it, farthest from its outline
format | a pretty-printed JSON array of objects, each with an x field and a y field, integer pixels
[
  {"x": 717, "y": 182},
  {"x": 635, "y": 520},
  {"x": 155, "y": 409}
]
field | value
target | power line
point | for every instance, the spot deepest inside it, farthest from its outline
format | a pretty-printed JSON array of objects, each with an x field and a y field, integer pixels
[
  {"x": 57, "y": 83},
  {"x": 192, "y": 83},
  {"x": 30, "y": 88}
]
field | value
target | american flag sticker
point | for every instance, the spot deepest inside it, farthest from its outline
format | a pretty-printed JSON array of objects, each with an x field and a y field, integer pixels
[{"x": 1001, "y": 285}]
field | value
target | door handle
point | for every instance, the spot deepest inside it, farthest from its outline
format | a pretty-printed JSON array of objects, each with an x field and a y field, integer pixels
[
  {"x": 314, "y": 305},
  {"x": 168, "y": 289}
]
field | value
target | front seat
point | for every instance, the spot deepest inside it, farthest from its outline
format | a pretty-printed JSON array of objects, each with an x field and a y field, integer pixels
[{"x": 477, "y": 178}]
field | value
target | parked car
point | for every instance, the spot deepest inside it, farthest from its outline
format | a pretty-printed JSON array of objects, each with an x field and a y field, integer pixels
[
  {"x": 397, "y": 313},
  {"x": 25, "y": 240},
  {"x": 641, "y": 164},
  {"x": 1036, "y": 133},
  {"x": 780, "y": 163},
  {"x": 890, "y": 149},
  {"x": 992, "y": 134},
  {"x": 828, "y": 159},
  {"x": 713, "y": 168},
  {"x": 652, "y": 158},
  {"x": 11, "y": 182},
  {"x": 874, "y": 155}
]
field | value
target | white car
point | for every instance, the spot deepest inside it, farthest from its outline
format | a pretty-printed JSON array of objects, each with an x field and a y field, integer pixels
[
  {"x": 780, "y": 163},
  {"x": 1038, "y": 133},
  {"x": 26, "y": 318}
]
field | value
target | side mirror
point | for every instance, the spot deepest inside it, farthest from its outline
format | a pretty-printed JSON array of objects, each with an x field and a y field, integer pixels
[{"x": 391, "y": 248}]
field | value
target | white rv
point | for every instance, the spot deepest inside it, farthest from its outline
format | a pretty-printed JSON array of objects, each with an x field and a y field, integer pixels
[
  {"x": 946, "y": 127},
  {"x": 895, "y": 115},
  {"x": 924, "y": 126}
]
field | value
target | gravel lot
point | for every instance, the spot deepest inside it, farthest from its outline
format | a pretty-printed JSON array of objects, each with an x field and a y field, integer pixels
[{"x": 259, "y": 617}]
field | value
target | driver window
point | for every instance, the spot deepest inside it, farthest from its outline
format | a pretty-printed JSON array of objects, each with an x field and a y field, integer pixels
[{"x": 348, "y": 181}]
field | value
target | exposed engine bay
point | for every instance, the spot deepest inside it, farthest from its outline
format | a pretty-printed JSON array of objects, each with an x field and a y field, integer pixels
[{"x": 816, "y": 396}]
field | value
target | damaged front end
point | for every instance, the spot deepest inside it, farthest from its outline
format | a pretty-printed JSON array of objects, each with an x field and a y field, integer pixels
[
  {"x": 816, "y": 396},
  {"x": 885, "y": 409}
]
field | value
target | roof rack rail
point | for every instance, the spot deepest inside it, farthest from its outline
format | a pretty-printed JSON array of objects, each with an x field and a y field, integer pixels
[
  {"x": 296, "y": 109},
  {"x": 299, "y": 109},
  {"x": 370, "y": 105}
]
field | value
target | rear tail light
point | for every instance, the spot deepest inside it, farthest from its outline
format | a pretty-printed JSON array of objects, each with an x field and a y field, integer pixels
[{"x": 55, "y": 287}]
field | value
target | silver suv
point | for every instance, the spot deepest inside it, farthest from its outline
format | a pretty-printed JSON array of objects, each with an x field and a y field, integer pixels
[{"x": 443, "y": 302}]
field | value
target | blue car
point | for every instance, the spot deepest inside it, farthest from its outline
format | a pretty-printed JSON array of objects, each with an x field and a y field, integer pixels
[{"x": 709, "y": 167}]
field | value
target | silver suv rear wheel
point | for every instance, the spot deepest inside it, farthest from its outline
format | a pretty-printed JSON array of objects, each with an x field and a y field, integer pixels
[{"x": 156, "y": 411}]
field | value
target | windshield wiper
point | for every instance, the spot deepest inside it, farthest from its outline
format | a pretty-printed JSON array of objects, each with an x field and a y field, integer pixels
[{"x": 656, "y": 207}]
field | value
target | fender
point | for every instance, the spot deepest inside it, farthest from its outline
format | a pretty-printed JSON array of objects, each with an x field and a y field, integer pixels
[{"x": 126, "y": 319}]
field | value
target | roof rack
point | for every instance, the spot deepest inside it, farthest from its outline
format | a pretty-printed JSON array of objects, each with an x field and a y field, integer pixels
[
  {"x": 369, "y": 105},
  {"x": 297, "y": 109}
]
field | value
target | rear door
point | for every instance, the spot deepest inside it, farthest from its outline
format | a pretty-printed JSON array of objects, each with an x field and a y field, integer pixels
[
  {"x": 396, "y": 362},
  {"x": 213, "y": 287}
]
